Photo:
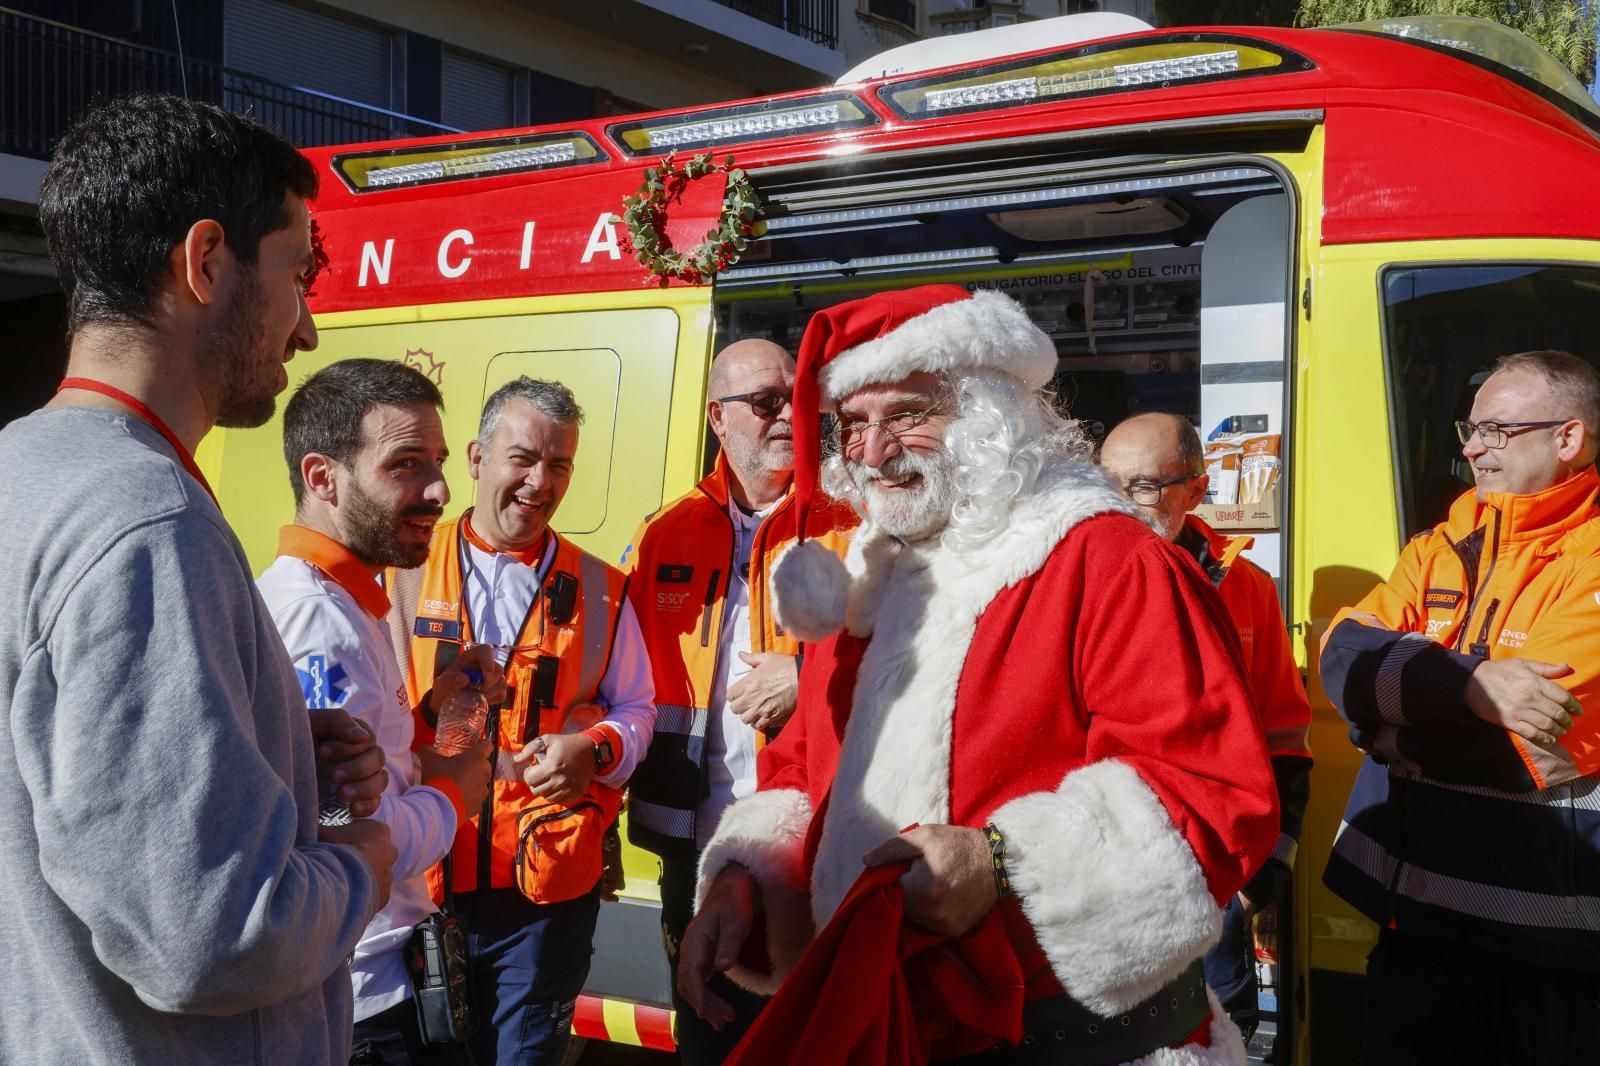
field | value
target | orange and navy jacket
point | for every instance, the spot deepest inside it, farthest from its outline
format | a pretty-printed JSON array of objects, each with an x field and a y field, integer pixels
[
  {"x": 1251, "y": 597},
  {"x": 1456, "y": 828},
  {"x": 680, "y": 563},
  {"x": 552, "y": 678}
]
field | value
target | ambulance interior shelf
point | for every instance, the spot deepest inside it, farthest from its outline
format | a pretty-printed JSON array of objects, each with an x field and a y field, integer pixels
[
  {"x": 1243, "y": 468},
  {"x": 1162, "y": 292}
]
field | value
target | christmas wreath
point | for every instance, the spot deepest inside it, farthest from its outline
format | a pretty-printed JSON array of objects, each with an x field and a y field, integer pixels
[{"x": 645, "y": 215}]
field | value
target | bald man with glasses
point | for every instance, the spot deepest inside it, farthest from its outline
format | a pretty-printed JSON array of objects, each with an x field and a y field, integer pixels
[
  {"x": 1159, "y": 463},
  {"x": 726, "y": 675}
]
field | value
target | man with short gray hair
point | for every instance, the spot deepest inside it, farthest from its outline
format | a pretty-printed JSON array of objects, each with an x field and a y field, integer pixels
[
  {"x": 578, "y": 716},
  {"x": 1472, "y": 837}
]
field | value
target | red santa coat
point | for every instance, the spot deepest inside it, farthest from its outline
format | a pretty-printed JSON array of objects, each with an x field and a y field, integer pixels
[{"x": 1075, "y": 682}]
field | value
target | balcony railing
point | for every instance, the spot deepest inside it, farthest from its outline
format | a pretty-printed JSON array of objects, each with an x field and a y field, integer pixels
[
  {"x": 815, "y": 20},
  {"x": 902, "y": 11},
  {"x": 49, "y": 72}
]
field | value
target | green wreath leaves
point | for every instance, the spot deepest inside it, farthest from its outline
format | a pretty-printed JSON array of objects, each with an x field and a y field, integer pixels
[{"x": 645, "y": 215}]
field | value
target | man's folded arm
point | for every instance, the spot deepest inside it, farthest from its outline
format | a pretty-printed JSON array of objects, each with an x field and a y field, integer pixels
[{"x": 1380, "y": 677}]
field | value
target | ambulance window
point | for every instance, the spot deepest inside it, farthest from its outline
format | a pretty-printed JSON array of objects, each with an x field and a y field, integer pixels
[
  {"x": 1444, "y": 327},
  {"x": 1162, "y": 291}
]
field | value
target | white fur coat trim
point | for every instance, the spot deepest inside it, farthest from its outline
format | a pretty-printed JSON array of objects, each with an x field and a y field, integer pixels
[
  {"x": 920, "y": 603},
  {"x": 1112, "y": 889},
  {"x": 765, "y": 833},
  {"x": 989, "y": 331}
]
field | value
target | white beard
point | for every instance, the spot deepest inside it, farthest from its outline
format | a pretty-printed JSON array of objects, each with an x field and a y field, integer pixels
[{"x": 907, "y": 514}]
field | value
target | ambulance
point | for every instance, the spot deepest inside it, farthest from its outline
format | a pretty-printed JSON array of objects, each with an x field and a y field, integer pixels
[{"x": 1322, "y": 236}]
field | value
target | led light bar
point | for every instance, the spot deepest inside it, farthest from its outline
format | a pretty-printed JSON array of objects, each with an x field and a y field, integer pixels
[
  {"x": 430, "y": 164},
  {"x": 742, "y": 124},
  {"x": 1092, "y": 70},
  {"x": 478, "y": 163},
  {"x": 1119, "y": 76}
]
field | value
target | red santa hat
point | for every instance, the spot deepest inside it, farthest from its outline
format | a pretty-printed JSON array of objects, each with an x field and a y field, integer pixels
[{"x": 880, "y": 339}]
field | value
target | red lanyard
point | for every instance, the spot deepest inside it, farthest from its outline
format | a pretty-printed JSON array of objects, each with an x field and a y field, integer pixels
[{"x": 144, "y": 412}]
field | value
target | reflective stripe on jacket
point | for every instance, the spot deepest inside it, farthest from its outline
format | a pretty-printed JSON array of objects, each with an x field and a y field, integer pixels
[
  {"x": 1457, "y": 828},
  {"x": 1251, "y": 597},
  {"x": 680, "y": 563},
  {"x": 556, "y": 667}
]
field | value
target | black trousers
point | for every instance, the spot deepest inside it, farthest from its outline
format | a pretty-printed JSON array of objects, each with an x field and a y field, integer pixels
[
  {"x": 392, "y": 1037},
  {"x": 698, "y": 1043},
  {"x": 1441, "y": 1003}
]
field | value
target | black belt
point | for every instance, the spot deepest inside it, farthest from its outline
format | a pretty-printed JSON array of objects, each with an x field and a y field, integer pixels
[{"x": 1060, "y": 1031}]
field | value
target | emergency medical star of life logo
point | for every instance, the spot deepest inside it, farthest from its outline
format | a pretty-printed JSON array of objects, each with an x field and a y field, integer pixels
[
  {"x": 323, "y": 688},
  {"x": 423, "y": 360}
]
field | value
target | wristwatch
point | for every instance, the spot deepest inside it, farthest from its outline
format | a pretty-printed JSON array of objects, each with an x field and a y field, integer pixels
[{"x": 605, "y": 754}]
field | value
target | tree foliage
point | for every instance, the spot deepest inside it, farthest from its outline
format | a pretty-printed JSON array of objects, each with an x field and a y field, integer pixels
[{"x": 1564, "y": 28}]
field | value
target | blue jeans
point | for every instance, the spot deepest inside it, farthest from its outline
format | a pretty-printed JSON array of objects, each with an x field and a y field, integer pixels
[
  {"x": 529, "y": 962},
  {"x": 1231, "y": 967}
]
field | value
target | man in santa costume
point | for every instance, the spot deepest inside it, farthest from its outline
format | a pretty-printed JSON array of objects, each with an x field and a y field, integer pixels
[{"x": 1012, "y": 688}]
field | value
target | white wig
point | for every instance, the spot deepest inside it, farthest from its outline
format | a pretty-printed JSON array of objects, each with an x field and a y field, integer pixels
[{"x": 1003, "y": 437}]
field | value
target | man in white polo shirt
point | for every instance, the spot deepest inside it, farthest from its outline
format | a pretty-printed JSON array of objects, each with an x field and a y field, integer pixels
[{"x": 365, "y": 450}]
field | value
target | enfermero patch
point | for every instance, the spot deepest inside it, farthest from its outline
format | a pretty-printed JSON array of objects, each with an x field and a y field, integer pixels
[{"x": 1442, "y": 599}]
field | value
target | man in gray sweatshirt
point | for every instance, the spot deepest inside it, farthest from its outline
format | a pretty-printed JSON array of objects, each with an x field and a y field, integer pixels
[{"x": 170, "y": 897}]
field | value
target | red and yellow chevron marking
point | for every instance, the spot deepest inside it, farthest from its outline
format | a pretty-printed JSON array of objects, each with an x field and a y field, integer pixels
[{"x": 624, "y": 1022}]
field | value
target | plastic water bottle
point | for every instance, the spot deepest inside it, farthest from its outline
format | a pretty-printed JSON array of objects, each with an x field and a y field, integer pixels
[
  {"x": 331, "y": 810},
  {"x": 461, "y": 719}
]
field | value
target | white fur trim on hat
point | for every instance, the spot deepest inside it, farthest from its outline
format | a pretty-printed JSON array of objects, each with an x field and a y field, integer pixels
[
  {"x": 1112, "y": 889},
  {"x": 810, "y": 590},
  {"x": 990, "y": 331}
]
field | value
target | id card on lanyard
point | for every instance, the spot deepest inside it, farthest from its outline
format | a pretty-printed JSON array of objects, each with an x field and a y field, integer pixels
[{"x": 542, "y": 672}]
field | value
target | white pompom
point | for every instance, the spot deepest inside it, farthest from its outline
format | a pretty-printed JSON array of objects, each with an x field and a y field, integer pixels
[{"x": 810, "y": 591}]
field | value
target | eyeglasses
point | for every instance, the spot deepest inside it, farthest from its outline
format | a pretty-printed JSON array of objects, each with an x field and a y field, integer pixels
[
  {"x": 853, "y": 431},
  {"x": 1148, "y": 493},
  {"x": 762, "y": 404},
  {"x": 1495, "y": 434}
]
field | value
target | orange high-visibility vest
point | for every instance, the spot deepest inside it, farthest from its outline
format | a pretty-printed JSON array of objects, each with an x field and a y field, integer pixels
[
  {"x": 1251, "y": 597},
  {"x": 680, "y": 564},
  {"x": 561, "y": 655}
]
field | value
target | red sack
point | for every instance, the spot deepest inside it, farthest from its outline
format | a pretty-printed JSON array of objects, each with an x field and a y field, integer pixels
[{"x": 873, "y": 990}]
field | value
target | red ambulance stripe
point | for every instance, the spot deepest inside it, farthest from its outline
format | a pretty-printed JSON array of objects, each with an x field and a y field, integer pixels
[
  {"x": 655, "y": 1027},
  {"x": 589, "y": 1020}
]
